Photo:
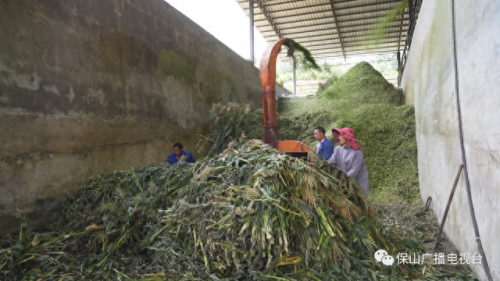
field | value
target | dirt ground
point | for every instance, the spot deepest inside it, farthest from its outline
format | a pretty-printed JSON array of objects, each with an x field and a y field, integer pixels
[{"x": 415, "y": 231}]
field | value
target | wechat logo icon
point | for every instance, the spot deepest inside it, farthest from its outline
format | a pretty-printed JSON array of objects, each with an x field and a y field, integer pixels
[{"x": 383, "y": 256}]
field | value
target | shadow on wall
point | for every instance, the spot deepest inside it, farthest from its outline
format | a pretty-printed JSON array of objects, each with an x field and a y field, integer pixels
[{"x": 86, "y": 90}]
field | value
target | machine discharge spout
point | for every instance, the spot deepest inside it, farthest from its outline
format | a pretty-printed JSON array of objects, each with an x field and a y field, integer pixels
[{"x": 268, "y": 80}]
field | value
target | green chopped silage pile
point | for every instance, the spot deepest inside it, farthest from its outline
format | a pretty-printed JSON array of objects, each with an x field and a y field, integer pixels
[
  {"x": 386, "y": 134},
  {"x": 363, "y": 84},
  {"x": 248, "y": 213},
  {"x": 363, "y": 100}
]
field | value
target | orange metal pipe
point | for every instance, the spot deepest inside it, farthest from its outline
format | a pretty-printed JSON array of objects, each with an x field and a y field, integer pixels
[{"x": 268, "y": 80}]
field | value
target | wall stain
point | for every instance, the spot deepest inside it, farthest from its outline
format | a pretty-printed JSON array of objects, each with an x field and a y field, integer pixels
[{"x": 120, "y": 94}]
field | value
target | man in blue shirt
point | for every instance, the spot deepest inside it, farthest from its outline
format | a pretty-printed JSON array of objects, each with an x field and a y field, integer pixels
[
  {"x": 180, "y": 155},
  {"x": 325, "y": 146}
]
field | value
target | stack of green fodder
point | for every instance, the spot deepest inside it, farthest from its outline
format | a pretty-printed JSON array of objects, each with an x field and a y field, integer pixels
[
  {"x": 229, "y": 124},
  {"x": 360, "y": 86},
  {"x": 363, "y": 84},
  {"x": 247, "y": 213},
  {"x": 363, "y": 100},
  {"x": 386, "y": 134},
  {"x": 233, "y": 120},
  {"x": 289, "y": 127},
  {"x": 340, "y": 100},
  {"x": 384, "y": 127}
]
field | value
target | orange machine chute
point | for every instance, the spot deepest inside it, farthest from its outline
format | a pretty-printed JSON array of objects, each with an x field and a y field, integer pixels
[
  {"x": 292, "y": 146},
  {"x": 268, "y": 80}
]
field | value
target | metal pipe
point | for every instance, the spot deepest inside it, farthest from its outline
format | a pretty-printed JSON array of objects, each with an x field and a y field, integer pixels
[
  {"x": 294, "y": 76},
  {"x": 400, "y": 70},
  {"x": 462, "y": 147},
  {"x": 268, "y": 80},
  {"x": 252, "y": 57},
  {"x": 410, "y": 9},
  {"x": 447, "y": 207},
  {"x": 399, "y": 59}
]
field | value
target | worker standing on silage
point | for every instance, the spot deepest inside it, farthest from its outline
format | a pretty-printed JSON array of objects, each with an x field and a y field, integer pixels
[
  {"x": 349, "y": 158},
  {"x": 325, "y": 146},
  {"x": 180, "y": 155}
]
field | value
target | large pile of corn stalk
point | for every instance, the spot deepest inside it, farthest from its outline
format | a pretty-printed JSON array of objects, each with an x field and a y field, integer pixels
[{"x": 247, "y": 213}]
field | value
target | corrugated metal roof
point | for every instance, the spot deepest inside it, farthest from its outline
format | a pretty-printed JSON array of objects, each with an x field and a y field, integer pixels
[{"x": 331, "y": 28}]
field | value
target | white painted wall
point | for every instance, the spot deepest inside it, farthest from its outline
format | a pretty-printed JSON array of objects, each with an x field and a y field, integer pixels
[{"x": 428, "y": 82}]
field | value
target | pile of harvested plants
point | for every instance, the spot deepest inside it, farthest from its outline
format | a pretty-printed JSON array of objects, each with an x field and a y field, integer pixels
[{"x": 247, "y": 213}]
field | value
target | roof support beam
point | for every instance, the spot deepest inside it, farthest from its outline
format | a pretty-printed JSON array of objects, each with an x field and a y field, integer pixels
[
  {"x": 330, "y": 23},
  {"x": 307, "y": 31},
  {"x": 366, "y": 5},
  {"x": 362, "y": 48},
  {"x": 325, "y": 4},
  {"x": 339, "y": 34},
  {"x": 269, "y": 2},
  {"x": 401, "y": 28},
  {"x": 275, "y": 4},
  {"x": 325, "y": 11},
  {"x": 353, "y": 41},
  {"x": 351, "y": 51},
  {"x": 369, "y": 31},
  {"x": 329, "y": 17},
  {"x": 271, "y": 21},
  {"x": 339, "y": 55},
  {"x": 332, "y": 39},
  {"x": 361, "y": 44},
  {"x": 299, "y": 8},
  {"x": 315, "y": 36},
  {"x": 325, "y": 29},
  {"x": 357, "y": 48},
  {"x": 302, "y": 26},
  {"x": 298, "y": 15}
]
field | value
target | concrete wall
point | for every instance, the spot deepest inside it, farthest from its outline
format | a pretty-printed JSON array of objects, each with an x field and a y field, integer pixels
[
  {"x": 93, "y": 86},
  {"x": 282, "y": 91},
  {"x": 428, "y": 81}
]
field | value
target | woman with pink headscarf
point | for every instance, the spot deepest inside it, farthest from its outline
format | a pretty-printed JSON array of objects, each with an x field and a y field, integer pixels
[{"x": 349, "y": 158}]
